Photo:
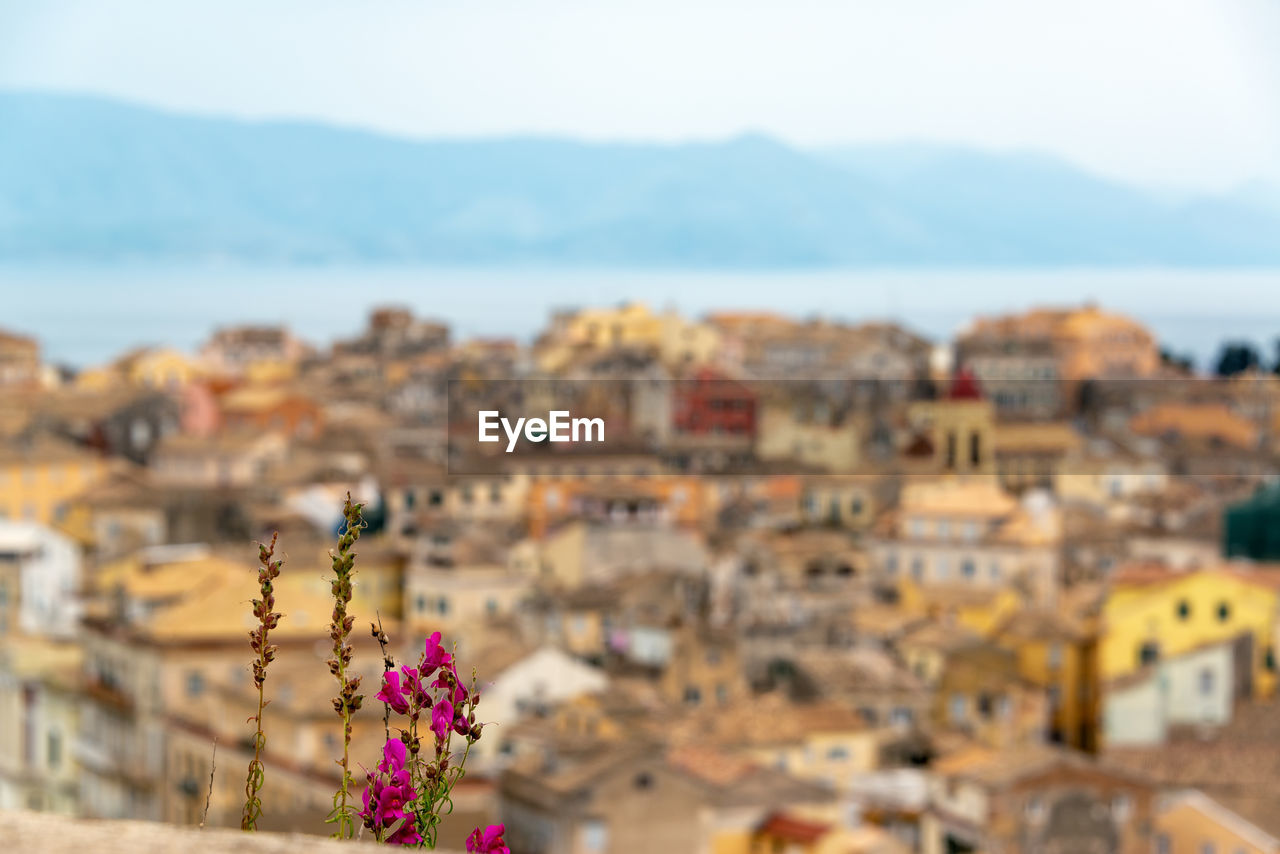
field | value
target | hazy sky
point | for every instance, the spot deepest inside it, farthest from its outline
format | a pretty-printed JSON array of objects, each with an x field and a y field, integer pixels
[{"x": 1179, "y": 93}]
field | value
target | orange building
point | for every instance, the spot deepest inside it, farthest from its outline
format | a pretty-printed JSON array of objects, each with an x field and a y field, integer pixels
[
  {"x": 270, "y": 408},
  {"x": 675, "y": 500}
]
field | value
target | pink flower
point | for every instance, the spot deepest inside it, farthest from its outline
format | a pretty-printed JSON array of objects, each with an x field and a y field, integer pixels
[
  {"x": 488, "y": 841},
  {"x": 394, "y": 756},
  {"x": 434, "y": 656},
  {"x": 443, "y": 681},
  {"x": 389, "y": 795},
  {"x": 442, "y": 719},
  {"x": 392, "y": 694},
  {"x": 413, "y": 687}
]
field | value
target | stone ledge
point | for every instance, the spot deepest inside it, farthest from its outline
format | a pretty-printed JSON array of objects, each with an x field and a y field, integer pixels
[{"x": 22, "y": 832}]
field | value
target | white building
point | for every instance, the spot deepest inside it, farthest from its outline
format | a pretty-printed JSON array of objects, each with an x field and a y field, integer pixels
[
  {"x": 1196, "y": 689},
  {"x": 528, "y": 686},
  {"x": 39, "y": 581}
]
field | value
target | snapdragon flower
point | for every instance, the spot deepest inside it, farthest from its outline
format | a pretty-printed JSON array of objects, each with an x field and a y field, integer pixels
[{"x": 488, "y": 841}]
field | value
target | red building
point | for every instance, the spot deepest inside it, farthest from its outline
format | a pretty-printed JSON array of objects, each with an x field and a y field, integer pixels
[{"x": 710, "y": 404}]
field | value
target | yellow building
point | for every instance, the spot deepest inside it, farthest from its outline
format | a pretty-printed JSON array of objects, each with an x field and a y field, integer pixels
[
  {"x": 1213, "y": 423},
  {"x": 959, "y": 429},
  {"x": 1034, "y": 454},
  {"x": 146, "y": 367},
  {"x": 979, "y": 611},
  {"x": 269, "y": 371},
  {"x": 40, "y": 706},
  {"x": 203, "y": 590},
  {"x": 1152, "y": 612},
  {"x": 1058, "y": 653},
  {"x": 158, "y": 368},
  {"x": 1180, "y": 649},
  {"x": 1099, "y": 345},
  {"x": 809, "y": 439},
  {"x": 675, "y": 340},
  {"x": 38, "y": 478},
  {"x": 1085, "y": 342}
]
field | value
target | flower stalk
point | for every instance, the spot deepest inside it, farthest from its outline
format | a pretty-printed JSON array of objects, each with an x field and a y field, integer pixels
[
  {"x": 404, "y": 805},
  {"x": 348, "y": 702},
  {"x": 388, "y": 664},
  {"x": 268, "y": 618}
]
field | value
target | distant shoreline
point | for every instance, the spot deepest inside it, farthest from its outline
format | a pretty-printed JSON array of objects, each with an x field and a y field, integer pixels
[{"x": 86, "y": 315}]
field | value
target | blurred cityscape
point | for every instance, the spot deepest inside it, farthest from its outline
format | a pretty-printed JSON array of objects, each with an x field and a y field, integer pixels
[{"x": 827, "y": 587}]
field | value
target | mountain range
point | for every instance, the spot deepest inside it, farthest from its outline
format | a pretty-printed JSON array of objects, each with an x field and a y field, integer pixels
[{"x": 86, "y": 179}]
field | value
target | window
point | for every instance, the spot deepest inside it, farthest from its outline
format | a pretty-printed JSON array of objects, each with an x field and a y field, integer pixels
[
  {"x": 1184, "y": 610},
  {"x": 421, "y": 604},
  {"x": 917, "y": 568},
  {"x": 442, "y": 606},
  {"x": 1055, "y": 655},
  {"x": 837, "y": 754},
  {"x": 195, "y": 683},
  {"x": 956, "y": 708},
  {"x": 967, "y": 568},
  {"x": 1206, "y": 682},
  {"x": 1224, "y": 612},
  {"x": 491, "y": 606},
  {"x": 1208, "y": 848},
  {"x": 944, "y": 528},
  {"x": 995, "y": 569},
  {"x": 1148, "y": 653},
  {"x": 595, "y": 835},
  {"x": 722, "y": 693},
  {"x": 643, "y": 780},
  {"x": 891, "y": 563},
  {"x": 692, "y": 695},
  {"x": 53, "y": 749},
  {"x": 900, "y": 716}
]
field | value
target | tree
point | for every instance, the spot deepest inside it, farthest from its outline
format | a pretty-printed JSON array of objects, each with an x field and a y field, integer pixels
[
  {"x": 1181, "y": 363},
  {"x": 1236, "y": 357}
]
